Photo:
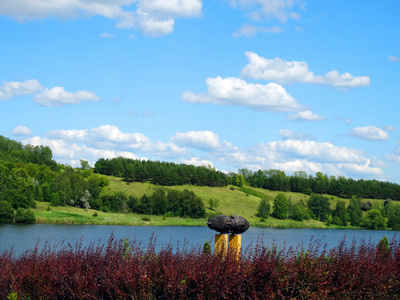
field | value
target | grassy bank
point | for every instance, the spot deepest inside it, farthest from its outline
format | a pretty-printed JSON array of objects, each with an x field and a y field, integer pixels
[{"x": 232, "y": 201}]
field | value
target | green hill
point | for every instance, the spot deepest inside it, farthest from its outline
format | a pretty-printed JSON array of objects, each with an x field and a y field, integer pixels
[{"x": 233, "y": 200}]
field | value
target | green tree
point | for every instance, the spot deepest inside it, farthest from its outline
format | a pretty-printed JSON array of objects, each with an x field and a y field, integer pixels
[
  {"x": 6, "y": 212},
  {"x": 320, "y": 207},
  {"x": 24, "y": 216},
  {"x": 281, "y": 206},
  {"x": 354, "y": 211},
  {"x": 374, "y": 220},
  {"x": 300, "y": 211},
  {"x": 264, "y": 208},
  {"x": 394, "y": 216},
  {"x": 339, "y": 215}
]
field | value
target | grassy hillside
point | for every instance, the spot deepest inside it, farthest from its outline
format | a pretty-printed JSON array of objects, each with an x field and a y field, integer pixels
[{"x": 233, "y": 201}]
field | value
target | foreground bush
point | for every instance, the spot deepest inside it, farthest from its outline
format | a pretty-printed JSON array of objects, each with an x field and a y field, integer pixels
[{"x": 122, "y": 270}]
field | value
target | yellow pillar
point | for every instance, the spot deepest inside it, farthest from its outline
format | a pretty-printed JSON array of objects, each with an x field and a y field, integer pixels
[
  {"x": 221, "y": 243},
  {"x": 235, "y": 244}
]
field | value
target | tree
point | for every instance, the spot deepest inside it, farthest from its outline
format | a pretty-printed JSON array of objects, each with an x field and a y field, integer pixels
[
  {"x": 281, "y": 206},
  {"x": 300, "y": 211},
  {"x": 320, "y": 207},
  {"x": 374, "y": 220},
  {"x": 354, "y": 211},
  {"x": 213, "y": 203},
  {"x": 264, "y": 209},
  {"x": 6, "y": 212},
  {"x": 339, "y": 215},
  {"x": 24, "y": 216},
  {"x": 394, "y": 216}
]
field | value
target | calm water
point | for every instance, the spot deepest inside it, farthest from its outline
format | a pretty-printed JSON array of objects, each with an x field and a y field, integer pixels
[{"x": 21, "y": 238}]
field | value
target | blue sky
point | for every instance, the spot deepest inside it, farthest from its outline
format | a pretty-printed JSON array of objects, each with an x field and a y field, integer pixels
[{"x": 262, "y": 84}]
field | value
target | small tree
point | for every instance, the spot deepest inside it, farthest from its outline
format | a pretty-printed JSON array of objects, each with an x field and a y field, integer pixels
[
  {"x": 374, "y": 220},
  {"x": 6, "y": 212},
  {"x": 354, "y": 211},
  {"x": 281, "y": 206},
  {"x": 339, "y": 215},
  {"x": 320, "y": 207},
  {"x": 24, "y": 216},
  {"x": 264, "y": 209}
]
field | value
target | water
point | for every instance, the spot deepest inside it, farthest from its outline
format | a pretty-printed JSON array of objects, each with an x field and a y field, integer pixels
[{"x": 21, "y": 238}]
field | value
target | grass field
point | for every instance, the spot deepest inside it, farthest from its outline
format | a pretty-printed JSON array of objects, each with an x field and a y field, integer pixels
[{"x": 232, "y": 201}]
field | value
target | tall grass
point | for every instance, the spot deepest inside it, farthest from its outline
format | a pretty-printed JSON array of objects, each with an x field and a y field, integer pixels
[{"x": 121, "y": 270}]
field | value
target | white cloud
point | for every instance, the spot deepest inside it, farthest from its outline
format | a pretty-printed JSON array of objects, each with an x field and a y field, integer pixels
[
  {"x": 249, "y": 31},
  {"x": 305, "y": 115},
  {"x": 234, "y": 91},
  {"x": 259, "y": 10},
  {"x": 12, "y": 89},
  {"x": 369, "y": 133},
  {"x": 393, "y": 58},
  {"x": 107, "y": 35},
  {"x": 57, "y": 96},
  {"x": 203, "y": 140},
  {"x": 195, "y": 161},
  {"x": 152, "y": 17},
  {"x": 22, "y": 131},
  {"x": 290, "y": 135},
  {"x": 284, "y": 71}
]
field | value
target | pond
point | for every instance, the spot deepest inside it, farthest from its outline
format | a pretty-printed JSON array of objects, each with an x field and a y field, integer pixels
[{"x": 21, "y": 238}]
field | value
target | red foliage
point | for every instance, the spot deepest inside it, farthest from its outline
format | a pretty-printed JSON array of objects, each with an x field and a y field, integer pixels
[{"x": 115, "y": 271}]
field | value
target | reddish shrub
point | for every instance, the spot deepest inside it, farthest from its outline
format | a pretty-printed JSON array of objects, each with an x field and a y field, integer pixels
[{"x": 120, "y": 271}]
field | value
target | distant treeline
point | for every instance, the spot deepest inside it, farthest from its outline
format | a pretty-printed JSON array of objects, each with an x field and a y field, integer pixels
[
  {"x": 160, "y": 173},
  {"x": 12, "y": 151},
  {"x": 300, "y": 182}
]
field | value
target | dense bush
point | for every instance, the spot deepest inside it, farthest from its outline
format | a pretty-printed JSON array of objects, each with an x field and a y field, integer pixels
[
  {"x": 122, "y": 270},
  {"x": 6, "y": 212},
  {"x": 24, "y": 216}
]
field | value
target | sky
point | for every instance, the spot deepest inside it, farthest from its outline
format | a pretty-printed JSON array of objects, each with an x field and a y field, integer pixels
[{"x": 260, "y": 84}]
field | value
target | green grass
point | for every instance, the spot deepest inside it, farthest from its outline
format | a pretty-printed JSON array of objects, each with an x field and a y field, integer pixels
[{"x": 242, "y": 201}]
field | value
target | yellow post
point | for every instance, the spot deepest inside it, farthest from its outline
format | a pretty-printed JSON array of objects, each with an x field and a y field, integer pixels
[
  {"x": 221, "y": 243},
  {"x": 235, "y": 244}
]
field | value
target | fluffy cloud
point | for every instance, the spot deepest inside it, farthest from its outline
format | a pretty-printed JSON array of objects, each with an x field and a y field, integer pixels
[
  {"x": 249, "y": 31},
  {"x": 393, "y": 58},
  {"x": 195, "y": 161},
  {"x": 110, "y": 137},
  {"x": 22, "y": 131},
  {"x": 12, "y": 89},
  {"x": 305, "y": 115},
  {"x": 290, "y": 135},
  {"x": 369, "y": 133},
  {"x": 203, "y": 140},
  {"x": 259, "y": 10},
  {"x": 234, "y": 91},
  {"x": 297, "y": 71},
  {"x": 153, "y": 17},
  {"x": 57, "y": 96}
]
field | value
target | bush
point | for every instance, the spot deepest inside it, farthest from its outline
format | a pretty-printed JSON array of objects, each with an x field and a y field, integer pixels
[
  {"x": 25, "y": 216},
  {"x": 374, "y": 220},
  {"x": 126, "y": 270},
  {"x": 6, "y": 212},
  {"x": 264, "y": 209}
]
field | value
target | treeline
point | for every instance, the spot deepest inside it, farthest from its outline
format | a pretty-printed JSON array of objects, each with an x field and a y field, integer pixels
[
  {"x": 15, "y": 152},
  {"x": 318, "y": 207},
  {"x": 167, "y": 202},
  {"x": 300, "y": 182},
  {"x": 160, "y": 173}
]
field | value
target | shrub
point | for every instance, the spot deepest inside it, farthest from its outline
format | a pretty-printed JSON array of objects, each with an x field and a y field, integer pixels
[
  {"x": 264, "y": 209},
  {"x": 126, "y": 270},
  {"x": 24, "y": 216},
  {"x": 6, "y": 212}
]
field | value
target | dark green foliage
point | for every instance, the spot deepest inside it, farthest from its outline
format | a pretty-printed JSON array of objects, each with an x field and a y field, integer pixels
[
  {"x": 160, "y": 173},
  {"x": 374, "y": 220},
  {"x": 300, "y": 211},
  {"x": 366, "y": 205},
  {"x": 354, "y": 211},
  {"x": 339, "y": 215},
  {"x": 114, "y": 202},
  {"x": 394, "y": 216},
  {"x": 6, "y": 212},
  {"x": 24, "y": 216},
  {"x": 172, "y": 202},
  {"x": 281, "y": 206},
  {"x": 264, "y": 209},
  {"x": 55, "y": 199},
  {"x": 319, "y": 206}
]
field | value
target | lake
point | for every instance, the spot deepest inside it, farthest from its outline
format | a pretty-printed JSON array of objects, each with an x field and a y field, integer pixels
[{"x": 21, "y": 238}]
